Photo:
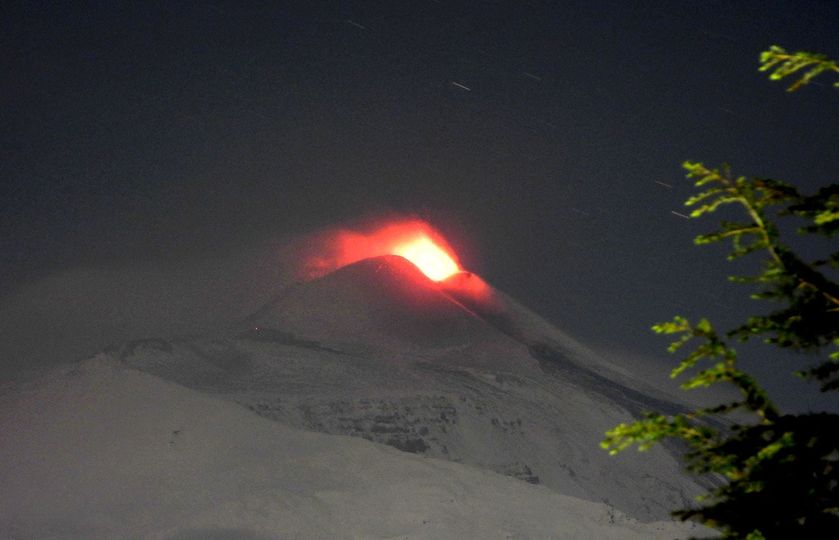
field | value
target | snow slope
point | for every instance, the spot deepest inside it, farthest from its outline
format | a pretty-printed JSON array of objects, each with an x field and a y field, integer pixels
[
  {"x": 375, "y": 350},
  {"x": 105, "y": 451}
]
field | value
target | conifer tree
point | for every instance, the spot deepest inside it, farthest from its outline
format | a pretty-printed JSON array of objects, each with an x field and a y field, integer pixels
[{"x": 779, "y": 471}]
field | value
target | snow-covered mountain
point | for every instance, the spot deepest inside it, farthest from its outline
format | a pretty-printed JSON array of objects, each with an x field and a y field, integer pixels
[
  {"x": 103, "y": 451},
  {"x": 453, "y": 370},
  {"x": 493, "y": 415}
]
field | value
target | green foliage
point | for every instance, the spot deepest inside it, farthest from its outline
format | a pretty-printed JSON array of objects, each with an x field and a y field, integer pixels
[
  {"x": 805, "y": 64},
  {"x": 808, "y": 318},
  {"x": 780, "y": 471}
]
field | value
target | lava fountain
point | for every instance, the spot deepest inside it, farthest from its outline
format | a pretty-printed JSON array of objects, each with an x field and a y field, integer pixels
[
  {"x": 413, "y": 239},
  {"x": 430, "y": 258}
]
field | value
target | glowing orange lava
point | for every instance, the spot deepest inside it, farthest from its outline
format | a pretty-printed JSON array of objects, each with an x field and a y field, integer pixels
[
  {"x": 430, "y": 258},
  {"x": 413, "y": 239}
]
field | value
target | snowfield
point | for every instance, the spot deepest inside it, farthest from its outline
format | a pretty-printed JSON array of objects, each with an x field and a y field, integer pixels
[{"x": 105, "y": 451}]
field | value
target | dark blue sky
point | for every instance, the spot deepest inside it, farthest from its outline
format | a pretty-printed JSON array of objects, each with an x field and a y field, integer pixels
[{"x": 143, "y": 133}]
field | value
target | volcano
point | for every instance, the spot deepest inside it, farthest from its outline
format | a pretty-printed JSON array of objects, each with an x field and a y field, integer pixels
[
  {"x": 445, "y": 371},
  {"x": 378, "y": 350}
]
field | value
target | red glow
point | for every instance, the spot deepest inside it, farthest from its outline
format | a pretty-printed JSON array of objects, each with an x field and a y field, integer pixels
[
  {"x": 413, "y": 239},
  {"x": 472, "y": 292}
]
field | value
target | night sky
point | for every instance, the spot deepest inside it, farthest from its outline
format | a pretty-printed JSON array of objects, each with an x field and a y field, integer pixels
[{"x": 154, "y": 157}]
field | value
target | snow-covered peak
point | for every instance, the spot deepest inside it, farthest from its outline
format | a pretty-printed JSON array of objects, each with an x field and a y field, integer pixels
[{"x": 381, "y": 306}]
